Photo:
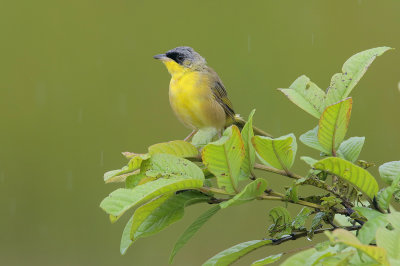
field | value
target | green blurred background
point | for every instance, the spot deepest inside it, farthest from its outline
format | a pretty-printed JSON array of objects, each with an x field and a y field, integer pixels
[{"x": 79, "y": 85}]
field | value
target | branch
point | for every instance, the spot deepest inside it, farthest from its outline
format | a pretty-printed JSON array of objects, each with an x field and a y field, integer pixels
[
  {"x": 295, "y": 236},
  {"x": 316, "y": 182}
]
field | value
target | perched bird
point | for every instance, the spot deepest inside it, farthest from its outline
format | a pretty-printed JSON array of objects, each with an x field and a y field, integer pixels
[{"x": 196, "y": 93}]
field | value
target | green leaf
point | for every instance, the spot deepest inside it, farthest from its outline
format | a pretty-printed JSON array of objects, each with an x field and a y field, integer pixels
[
  {"x": 204, "y": 136},
  {"x": 300, "y": 258},
  {"x": 306, "y": 95},
  {"x": 120, "y": 200},
  {"x": 385, "y": 195},
  {"x": 310, "y": 139},
  {"x": 167, "y": 213},
  {"x": 342, "y": 220},
  {"x": 224, "y": 157},
  {"x": 343, "y": 259},
  {"x": 367, "y": 212},
  {"x": 292, "y": 193},
  {"x": 353, "y": 70},
  {"x": 281, "y": 222},
  {"x": 267, "y": 260},
  {"x": 350, "y": 149},
  {"x": 250, "y": 154},
  {"x": 346, "y": 237},
  {"x": 140, "y": 214},
  {"x": 308, "y": 160},
  {"x": 367, "y": 232},
  {"x": 311, "y": 161},
  {"x": 333, "y": 125},
  {"x": 134, "y": 180},
  {"x": 192, "y": 229},
  {"x": 163, "y": 165},
  {"x": 121, "y": 174},
  {"x": 389, "y": 171},
  {"x": 232, "y": 254},
  {"x": 308, "y": 258},
  {"x": 126, "y": 237},
  {"x": 169, "y": 165},
  {"x": 330, "y": 201},
  {"x": 390, "y": 241},
  {"x": 394, "y": 219},
  {"x": 301, "y": 218},
  {"x": 143, "y": 212},
  {"x": 249, "y": 193},
  {"x": 279, "y": 152},
  {"x": 178, "y": 148},
  {"x": 355, "y": 175},
  {"x": 316, "y": 223}
]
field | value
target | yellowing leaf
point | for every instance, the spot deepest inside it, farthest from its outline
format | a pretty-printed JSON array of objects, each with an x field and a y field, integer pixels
[
  {"x": 346, "y": 237},
  {"x": 356, "y": 175},
  {"x": 333, "y": 125},
  {"x": 178, "y": 148}
]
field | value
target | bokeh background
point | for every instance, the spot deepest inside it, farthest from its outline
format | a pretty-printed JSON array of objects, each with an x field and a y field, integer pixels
[{"x": 79, "y": 85}]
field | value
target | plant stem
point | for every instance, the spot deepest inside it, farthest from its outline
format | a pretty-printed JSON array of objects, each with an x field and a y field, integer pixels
[
  {"x": 215, "y": 190},
  {"x": 300, "y": 202},
  {"x": 276, "y": 171},
  {"x": 239, "y": 121}
]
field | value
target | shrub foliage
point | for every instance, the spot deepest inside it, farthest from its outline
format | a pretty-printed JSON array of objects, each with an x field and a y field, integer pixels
[{"x": 355, "y": 214}]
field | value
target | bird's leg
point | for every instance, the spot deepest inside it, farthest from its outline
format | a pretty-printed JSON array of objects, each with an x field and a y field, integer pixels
[
  {"x": 219, "y": 134},
  {"x": 190, "y": 135}
]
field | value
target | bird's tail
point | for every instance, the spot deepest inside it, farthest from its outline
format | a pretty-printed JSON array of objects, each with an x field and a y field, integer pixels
[{"x": 240, "y": 122}]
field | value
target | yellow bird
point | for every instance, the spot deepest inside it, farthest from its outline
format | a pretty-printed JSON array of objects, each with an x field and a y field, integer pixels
[{"x": 196, "y": 93}]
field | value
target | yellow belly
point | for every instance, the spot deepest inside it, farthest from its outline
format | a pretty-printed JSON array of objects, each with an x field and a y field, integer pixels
[{"x": 193, "y": 102}]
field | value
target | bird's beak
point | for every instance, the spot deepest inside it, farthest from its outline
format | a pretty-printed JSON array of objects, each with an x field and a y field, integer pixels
[{"x": 160, "y": 57}]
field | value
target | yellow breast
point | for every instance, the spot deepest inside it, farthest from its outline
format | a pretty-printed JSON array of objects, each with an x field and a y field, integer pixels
[{"x": 194, "y": 103}]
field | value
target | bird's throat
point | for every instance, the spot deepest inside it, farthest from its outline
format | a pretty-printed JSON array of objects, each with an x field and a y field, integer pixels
[{"x": 175, "y": 69}]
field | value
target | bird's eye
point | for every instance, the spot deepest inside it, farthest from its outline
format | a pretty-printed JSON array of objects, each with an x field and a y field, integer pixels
[{"x": 177, "y": 57}]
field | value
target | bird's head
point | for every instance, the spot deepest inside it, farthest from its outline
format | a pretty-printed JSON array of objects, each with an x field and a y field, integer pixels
[{"x": 181, "y": 59}]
